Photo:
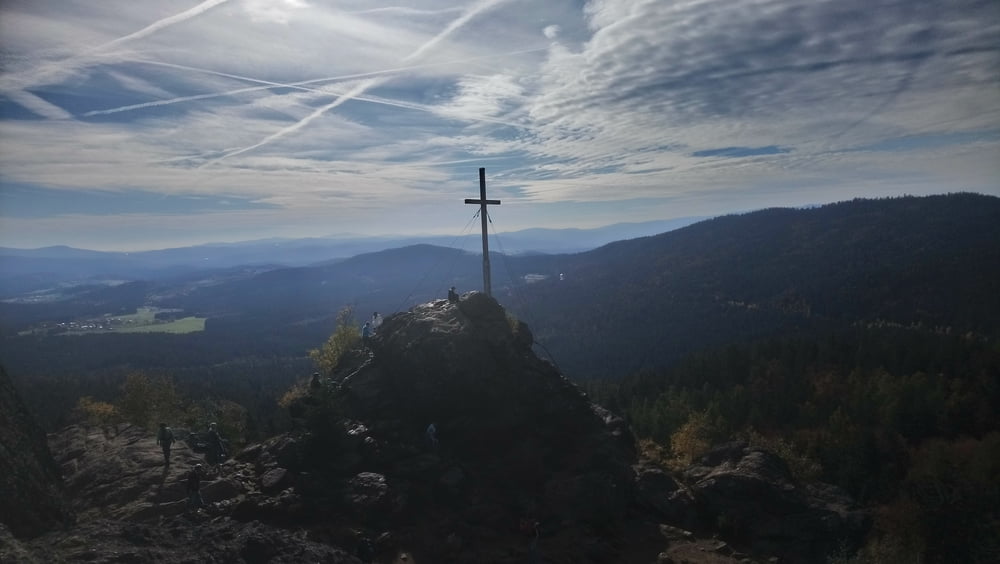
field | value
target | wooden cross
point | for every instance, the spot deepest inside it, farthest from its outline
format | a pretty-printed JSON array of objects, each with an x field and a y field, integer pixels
[{"x": 483, "y": 202}]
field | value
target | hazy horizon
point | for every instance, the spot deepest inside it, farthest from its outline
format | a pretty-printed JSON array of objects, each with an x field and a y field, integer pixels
[{"x": 144, "y": 125}]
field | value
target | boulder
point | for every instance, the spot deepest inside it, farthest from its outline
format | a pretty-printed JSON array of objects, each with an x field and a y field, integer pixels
[
  {"x": 221, "y": 489},
  {"x": 658, "y": 491},
  {"x": 369, "y": 496},
  {"x": 275, "y": 480},
  {"x": 751, "y": 495}
]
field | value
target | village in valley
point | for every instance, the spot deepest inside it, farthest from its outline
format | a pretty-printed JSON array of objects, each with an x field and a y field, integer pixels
[{"x": 146, "y": 319}]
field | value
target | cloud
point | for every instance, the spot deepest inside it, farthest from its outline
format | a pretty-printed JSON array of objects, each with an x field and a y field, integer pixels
[
  {"x": 741, "y": 151},
  {"x": 347, "y": 96},
  {"x": 365, "y": 85},
  {"x": 633, "y": 106},
  {"x": 164, "y": 23}
]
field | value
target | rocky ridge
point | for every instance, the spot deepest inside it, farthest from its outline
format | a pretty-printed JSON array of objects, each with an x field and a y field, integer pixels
[
  {"x": 518, "y": 444},
  {"x": 30, "y": 485}
]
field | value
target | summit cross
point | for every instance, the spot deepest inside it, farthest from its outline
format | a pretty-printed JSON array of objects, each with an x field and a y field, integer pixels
[{"x": 483, "y": 202}]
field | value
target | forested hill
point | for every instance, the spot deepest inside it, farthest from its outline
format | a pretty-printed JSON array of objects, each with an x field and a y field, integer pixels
[
  {"x": 927, "y": 261},
  {"x": 645, "y": 302}
]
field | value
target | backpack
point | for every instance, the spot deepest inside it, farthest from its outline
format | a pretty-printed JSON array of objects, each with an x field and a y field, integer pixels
[{"x": 166, "y": 435}]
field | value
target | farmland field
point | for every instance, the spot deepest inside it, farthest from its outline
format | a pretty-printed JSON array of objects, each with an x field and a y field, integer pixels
[
  {"x": 142, "y": 321},
  {"x": 183, "y": 325}
]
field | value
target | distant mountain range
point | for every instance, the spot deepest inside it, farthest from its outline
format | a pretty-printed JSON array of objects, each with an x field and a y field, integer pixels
[
  {"x": 930, "y": 262},
  {"x": 27, "y": 270}
]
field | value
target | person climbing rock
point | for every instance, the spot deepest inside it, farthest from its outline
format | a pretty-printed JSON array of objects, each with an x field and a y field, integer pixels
[
  {"x": 216, "y": 447},
  {"x": 165, "y": 438},
  {"x": 192, "y": 483}
]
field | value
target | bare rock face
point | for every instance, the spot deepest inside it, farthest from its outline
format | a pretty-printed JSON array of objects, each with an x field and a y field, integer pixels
[
  {"x": 30, "y": 485},
  {"x": 120, "y": 473}
]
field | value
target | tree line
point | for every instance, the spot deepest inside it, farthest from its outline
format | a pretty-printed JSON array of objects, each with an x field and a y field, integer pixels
[{"x": 904, "y": 418}]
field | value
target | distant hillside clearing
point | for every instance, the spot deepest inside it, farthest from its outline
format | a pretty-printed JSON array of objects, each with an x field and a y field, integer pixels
[{"x": 182, "y": 325}]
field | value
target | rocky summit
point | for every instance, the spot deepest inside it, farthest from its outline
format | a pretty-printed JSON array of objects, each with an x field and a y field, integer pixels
[{"x": 444, "y": 440}]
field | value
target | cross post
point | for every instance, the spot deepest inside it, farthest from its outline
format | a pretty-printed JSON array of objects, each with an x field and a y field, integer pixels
[{"x": 483, "y": 202}]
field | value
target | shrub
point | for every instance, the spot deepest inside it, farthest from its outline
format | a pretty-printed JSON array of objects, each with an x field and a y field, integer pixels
[
  {"x": 693, "y": 439},
  {"x": 344, "y": 338},
  {"x": 98, "y": 413},
  {"x": 145, "y": 400}
]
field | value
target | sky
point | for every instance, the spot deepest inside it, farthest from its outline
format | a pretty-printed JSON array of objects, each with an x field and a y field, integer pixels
[{"x": 145, "y": 124}]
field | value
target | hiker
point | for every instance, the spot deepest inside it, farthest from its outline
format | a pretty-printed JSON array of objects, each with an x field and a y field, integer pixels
[
  {"x": 366, "y": 333},
  {"x": 216, "y": 451},
  {"x": 314, "y": 384},
  {"x": 534, "y": 556},
  {"x": 193, "y": 485},
  {"x": 365, "y": 551},
  {"x": 376, "y": 321},
  {"x": 165, "y": 438},
  {"x": 452, "y": 295},
  {"x": 530, "y": 527},
  {"x": 432, "y": 440}
]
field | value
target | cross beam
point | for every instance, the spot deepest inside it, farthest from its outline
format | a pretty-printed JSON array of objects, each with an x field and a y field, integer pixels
[{"x": 483, "y": 202}]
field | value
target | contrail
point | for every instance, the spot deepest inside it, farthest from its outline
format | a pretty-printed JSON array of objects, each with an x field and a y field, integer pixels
[
  {"x": 54, "y": 69},
  {"x": 165, "y": 22},
  {"x": 299, "y": 86},
  {"x": 454, "y": 25},
  {"x": 302, "y": 122},
  {"x": 296, "y": 86},
  {"x": 361, "y": 88},
  {"x": 269, "y": 84}
]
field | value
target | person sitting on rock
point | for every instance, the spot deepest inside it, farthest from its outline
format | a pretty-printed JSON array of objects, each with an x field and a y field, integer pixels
[
  {"x": 216, "y": 448},
  {"x": 452, "y": 295},
  {"x": 193, "y": 486},
  {"x": 165, "y": 438}
]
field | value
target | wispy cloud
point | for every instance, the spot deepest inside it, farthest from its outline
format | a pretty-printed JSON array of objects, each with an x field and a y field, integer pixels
[
  {"x": 340, "y": 112},
  {"x": 364, "y": 86},
  {"x": 301, "y": 85},
  {"x": 347, "y": 96},
  {"x": 51, "y": 71}
]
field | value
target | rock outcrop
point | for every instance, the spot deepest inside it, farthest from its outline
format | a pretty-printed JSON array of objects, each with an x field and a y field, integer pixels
[
  {"x": 29, "y": 478},
  {"x": 522, "y": 467},
  {"x": 751, "y": 495},
  {"x": 506, "y": 420}
]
